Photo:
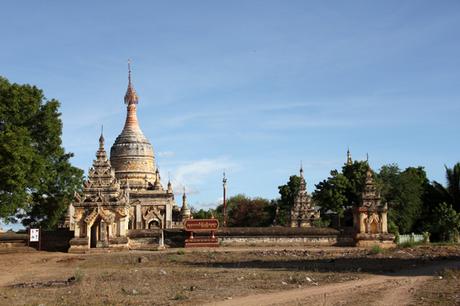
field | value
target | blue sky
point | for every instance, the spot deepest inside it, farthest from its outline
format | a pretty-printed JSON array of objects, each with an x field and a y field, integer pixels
[{"x": 251, "y": 87}]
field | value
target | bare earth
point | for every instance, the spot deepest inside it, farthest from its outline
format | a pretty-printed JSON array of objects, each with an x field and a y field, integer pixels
[{"x": 423, "y": 275}]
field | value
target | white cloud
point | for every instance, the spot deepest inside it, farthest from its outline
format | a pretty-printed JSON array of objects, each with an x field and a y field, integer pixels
[
  {"x": 192, "y": 175},
  {"x": 166, "y": 154}
]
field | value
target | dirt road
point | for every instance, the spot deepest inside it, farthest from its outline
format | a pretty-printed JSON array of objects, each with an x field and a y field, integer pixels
[{"x": 393, "y": 290}]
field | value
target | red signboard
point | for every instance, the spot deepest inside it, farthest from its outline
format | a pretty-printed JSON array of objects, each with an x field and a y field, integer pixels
[{"x": 201, "y": 225}]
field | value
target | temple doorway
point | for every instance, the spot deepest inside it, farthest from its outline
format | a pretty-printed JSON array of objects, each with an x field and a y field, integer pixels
[
  {"x": 154, "y": 224},
  {"x": 94, "y": 236},
  {"x": 374, "y": 227}
]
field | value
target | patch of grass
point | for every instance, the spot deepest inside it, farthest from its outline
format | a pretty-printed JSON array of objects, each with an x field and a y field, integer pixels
[
  {"x": 180, "y": 297},
  {"x": 79, "y": 275},
  {"x": 173, "y": 258},
  {"x": 180, "y": 252},
  {"x": 212, "y": 255},
  {"x": 409, "y": 244},
  {"x": 376, "y": 249}
]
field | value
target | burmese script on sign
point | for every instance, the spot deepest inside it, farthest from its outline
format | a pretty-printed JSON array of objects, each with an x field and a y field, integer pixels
[{"x": 201, "y": 224}]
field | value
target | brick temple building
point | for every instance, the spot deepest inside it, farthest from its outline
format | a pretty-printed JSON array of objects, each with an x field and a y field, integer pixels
[{"x": 124, "y": 192}]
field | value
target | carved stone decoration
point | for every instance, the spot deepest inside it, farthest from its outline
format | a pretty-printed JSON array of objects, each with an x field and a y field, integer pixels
[
  {"x": 78, "y": 215},
  {"x": 106, "y": 215},
  {"x": 77, "y": 197},
  {"x": 122, "y": 211},
  {"x": 91, "y": 217},
  {"x": 151, "y": 213}
]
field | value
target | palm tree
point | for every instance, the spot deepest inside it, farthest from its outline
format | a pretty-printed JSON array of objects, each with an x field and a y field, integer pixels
[{"x": 451, "y": 193}]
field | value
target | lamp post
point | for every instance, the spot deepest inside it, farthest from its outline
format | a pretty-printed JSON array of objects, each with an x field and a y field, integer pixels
[{"x": 224, "y": 185}]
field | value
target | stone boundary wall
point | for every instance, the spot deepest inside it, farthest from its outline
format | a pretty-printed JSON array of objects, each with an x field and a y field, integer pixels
[
  {"x": 277, "y": 231},
  {"x": 148, "y": 239},
  {"x": 52, "y": 241},
  {"x": 58, "y": 240},
  {"x": 12, "y": 241},
  {"x": 272, "y": 236},
  {"x": 284, "y": 241}
]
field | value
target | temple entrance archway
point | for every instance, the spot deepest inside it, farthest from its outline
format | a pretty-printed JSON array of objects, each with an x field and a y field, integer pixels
[
  {"x": 153, "y": 224},
  {"x": 94, "y": 234},
  {"x": 374, "y": 227}
]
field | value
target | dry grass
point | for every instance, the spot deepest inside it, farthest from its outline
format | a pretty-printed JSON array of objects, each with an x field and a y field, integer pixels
[
  {"x": 442, "y": 290},
  {"x": 186, "y": 277}
]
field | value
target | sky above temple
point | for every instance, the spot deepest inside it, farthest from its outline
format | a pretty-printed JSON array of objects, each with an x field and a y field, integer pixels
[{"x": 249, "y": 87}]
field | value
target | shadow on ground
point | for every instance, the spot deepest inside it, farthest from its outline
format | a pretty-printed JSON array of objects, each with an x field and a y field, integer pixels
[{"x": 382, "y": 266}]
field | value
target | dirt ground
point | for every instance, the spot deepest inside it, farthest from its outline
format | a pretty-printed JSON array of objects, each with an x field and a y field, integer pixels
[{"x": 423, "y": 275}]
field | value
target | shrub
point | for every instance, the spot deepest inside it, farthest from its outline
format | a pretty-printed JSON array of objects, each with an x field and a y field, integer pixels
[
  {"x": 409, "y": 244},
  {"x": 79, "y": 275},
  {"x": 180, "y": 297},
  {"x": 321, "y": 223},
  {"x": 376, "y": 249}
]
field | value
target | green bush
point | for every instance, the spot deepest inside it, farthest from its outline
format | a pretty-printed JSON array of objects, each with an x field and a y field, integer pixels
[
  {"x": 321, "y": 223},
  {"x": 376, "y": 249},
  {"x": 79, "y": 275},
  {"x": 408, "y": 244},
  {"x": 180, "y": 297}
]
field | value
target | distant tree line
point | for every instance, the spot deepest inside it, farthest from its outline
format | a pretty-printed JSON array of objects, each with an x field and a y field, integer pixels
[{"x": 414, "y": 203}]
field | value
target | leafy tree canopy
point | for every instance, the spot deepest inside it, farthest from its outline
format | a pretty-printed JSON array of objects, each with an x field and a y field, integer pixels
[
  {"x": 37, "y": 180},
  {"x": 446, "y": 222},
  {"x": 451, "y": 193},
  {"x": 356, "y": 175},
  {"x": 331, "y": 194},
  {"x": 288, "y": 192},
  {"x": 243, "y": 211},
  {"x": 404, "y": 192}
]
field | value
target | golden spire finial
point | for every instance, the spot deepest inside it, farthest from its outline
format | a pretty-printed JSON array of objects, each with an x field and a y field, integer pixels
[
  {"x": 131, "y": 95},
  {"x": 129, "y": 71}
]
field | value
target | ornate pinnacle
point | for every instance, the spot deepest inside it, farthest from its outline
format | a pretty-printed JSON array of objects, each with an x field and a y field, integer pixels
[
  {"x": 184, "y": 197},
  {"x": 349, "y": 160},
  {"x": 131, "y": 95},
  {"x": 101, "y": 139}
]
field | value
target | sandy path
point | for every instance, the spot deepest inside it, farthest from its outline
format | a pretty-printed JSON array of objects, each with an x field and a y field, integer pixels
[{"x": 394, "y": 290}]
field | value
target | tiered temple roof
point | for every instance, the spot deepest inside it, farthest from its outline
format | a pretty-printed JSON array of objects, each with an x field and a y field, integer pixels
[{"x": 303, "y": 212}]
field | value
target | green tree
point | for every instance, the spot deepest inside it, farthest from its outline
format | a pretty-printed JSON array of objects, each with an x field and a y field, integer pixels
[
  {"x": 201, "y": 214},
  {"x": 288, "y": 193},
  {"x": 356, "y": 175},
  {"x": 243, "y": 211},
  {"x": 342, "y": 190},
  {"x": 330, "y": 194},
  {"x": 404, "y": 192},
  {"x": 446, "y": 222},
  {"x": 451, "y": 193},
  {"x": 37, "y": 181}
]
